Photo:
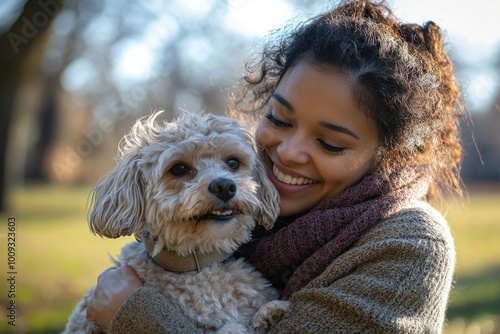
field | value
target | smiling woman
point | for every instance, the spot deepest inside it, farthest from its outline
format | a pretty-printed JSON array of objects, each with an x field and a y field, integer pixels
[{"x": 305, "y": 141}]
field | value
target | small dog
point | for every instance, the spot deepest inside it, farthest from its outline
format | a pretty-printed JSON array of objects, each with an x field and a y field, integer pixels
[{"x": 191, "y": 191}]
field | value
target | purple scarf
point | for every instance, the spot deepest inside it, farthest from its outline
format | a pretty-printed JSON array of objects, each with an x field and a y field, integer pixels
[{"x": 293, "y": 253}]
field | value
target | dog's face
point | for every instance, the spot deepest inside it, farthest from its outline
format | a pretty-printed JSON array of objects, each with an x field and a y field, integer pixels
[{"x": 193, "y": 184}]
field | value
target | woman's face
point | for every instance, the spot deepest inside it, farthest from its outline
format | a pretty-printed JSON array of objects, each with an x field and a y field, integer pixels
[{"x": 317, "y": 142}]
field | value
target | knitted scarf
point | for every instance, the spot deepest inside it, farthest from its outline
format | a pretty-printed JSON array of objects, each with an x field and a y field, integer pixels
[{"x": 293, "y": 253}]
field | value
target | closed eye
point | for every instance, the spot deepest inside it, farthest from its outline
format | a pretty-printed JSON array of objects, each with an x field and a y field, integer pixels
[
  {"x": 330, "y": 148},
  {"x": 276, "y": 122}
]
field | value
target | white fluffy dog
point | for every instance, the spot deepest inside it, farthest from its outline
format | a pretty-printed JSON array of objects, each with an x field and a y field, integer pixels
[{"x": 191, "y": 191}]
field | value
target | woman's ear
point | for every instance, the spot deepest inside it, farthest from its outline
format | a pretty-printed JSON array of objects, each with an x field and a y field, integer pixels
[
  {"x": 268, "y": 196},
  {"x": 117, "y": 202}
]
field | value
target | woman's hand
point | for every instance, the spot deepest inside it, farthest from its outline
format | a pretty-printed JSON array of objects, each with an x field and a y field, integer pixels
[{"x": 113, "y": 288}]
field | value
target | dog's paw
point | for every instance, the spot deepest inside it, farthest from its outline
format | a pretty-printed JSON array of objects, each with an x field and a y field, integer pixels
[{"x": 269, "y": 314}]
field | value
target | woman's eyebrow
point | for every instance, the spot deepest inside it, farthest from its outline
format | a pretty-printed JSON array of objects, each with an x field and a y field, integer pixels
[
  {"x": 335, "y": 127},
  {"x": 339, "y": 128},
  {"x": 282, "y": 101}
]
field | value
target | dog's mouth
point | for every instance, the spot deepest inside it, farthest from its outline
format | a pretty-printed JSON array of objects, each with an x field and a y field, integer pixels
[{"x": 222, "y": 214}]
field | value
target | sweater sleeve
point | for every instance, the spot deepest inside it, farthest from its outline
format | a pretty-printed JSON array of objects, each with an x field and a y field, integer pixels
[
  {"x": 395, "y": 279},
  {"x": 148, "y": 311}
]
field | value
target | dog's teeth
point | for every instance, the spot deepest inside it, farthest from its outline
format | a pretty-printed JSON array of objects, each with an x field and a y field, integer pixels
[{"x": 222, "y": 213}]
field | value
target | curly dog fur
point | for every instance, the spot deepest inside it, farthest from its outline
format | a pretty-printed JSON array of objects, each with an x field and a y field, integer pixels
[{"x": 194, "y": 186}]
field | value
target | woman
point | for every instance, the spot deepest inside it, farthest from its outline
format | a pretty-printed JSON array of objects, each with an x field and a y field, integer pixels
[{"x": 359, "y": 131}]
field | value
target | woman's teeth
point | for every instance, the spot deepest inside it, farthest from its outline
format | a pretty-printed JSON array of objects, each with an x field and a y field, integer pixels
[{"x": 288, "y": 179}]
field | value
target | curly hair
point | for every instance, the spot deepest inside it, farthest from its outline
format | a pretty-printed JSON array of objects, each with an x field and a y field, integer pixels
[{"x": 401, "y": 76}]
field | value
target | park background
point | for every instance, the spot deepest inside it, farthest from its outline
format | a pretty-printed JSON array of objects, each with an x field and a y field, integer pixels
[{"x": 75, "y": 75}]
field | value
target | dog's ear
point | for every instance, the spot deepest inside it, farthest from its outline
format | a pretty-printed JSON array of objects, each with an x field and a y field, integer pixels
[
  {"x": 268, "y": 196},
  {"x": 117, "y": 202}
]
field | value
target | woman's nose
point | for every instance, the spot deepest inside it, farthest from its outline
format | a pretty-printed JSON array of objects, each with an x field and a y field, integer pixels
[{"x": 293, "y": 150}]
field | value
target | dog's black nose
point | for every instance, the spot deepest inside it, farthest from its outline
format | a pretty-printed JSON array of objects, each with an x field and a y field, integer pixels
[{"x": 224, "y": 189}]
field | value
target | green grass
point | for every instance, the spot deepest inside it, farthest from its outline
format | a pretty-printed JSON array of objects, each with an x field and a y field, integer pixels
[
  {"x": 475, "y": 300},
  {"x": 58, "y": 259}
]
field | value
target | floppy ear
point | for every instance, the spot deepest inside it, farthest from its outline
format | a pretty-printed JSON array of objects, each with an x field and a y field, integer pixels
[
  {"x": 117, "y": 202},
  {"x": 268, "y": 196}
]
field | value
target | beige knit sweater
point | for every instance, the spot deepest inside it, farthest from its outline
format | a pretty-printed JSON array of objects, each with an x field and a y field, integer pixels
[{"x": 395, "y": 279}]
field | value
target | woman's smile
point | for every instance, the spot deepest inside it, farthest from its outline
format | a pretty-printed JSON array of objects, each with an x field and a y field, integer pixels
[{"x": 289, "y": 179}]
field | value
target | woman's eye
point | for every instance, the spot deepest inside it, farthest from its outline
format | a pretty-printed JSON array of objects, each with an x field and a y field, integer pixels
[
  {"x": 233, "y": 163},
  {"x": 277, "y": 122},
  {"x": 330, "y": 148},
  {"x": 179, "y": 170}
]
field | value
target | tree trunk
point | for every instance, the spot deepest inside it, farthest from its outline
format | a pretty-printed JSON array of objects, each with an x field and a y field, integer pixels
[{"x": 22, "y": 49}]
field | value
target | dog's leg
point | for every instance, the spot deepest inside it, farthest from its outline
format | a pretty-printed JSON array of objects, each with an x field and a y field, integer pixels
[{"x": 269, "y": 314}]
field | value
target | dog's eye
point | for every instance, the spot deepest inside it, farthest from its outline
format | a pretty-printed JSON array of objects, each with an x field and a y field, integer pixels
[
  {"x": 233, "y": 163},
  {"x": 179, "y": 170}
]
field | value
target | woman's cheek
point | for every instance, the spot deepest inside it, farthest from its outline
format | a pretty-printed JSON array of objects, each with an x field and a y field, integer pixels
[{"x": 264, "y": 135}]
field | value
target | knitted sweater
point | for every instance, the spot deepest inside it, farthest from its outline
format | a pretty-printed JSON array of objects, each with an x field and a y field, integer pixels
[{"x": 395, "y": 279}]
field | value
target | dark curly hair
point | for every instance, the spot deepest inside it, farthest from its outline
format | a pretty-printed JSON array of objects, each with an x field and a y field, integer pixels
[{"x": 401, "y": 76}]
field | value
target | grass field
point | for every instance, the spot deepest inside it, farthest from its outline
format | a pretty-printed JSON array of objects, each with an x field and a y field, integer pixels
[{"x": 57, "y": 259}]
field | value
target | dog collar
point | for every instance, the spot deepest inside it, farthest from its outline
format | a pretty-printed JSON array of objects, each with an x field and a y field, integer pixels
[{"x": 171, "y": 261}]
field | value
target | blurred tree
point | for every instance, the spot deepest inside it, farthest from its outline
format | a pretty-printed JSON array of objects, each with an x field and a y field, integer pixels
[
  {"x": 22, "y": 49},
  {"x": 482, "y": 138},
  {"x": 125, "y": 58},
  {"x": 122, "y": 58}
]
